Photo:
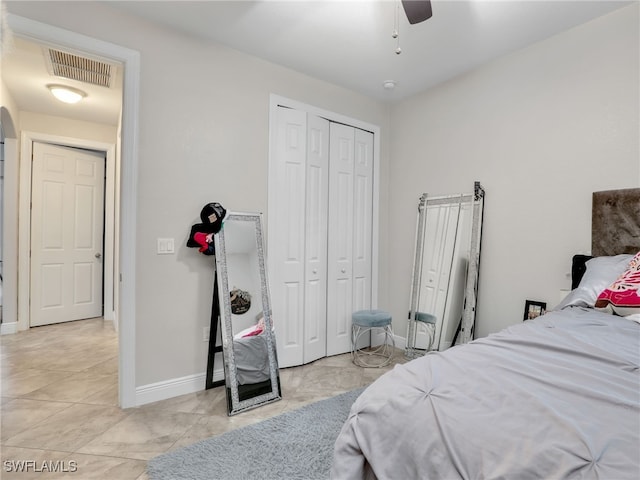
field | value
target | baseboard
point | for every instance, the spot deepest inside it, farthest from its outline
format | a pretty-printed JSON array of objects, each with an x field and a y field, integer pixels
[
  {"x": 378, "y": 337},
  {"x": 114, "y": 320},
  {"x": 174, "y": 387},
  {"x": 8, "y": 328},
  {"x": 401, "y": 342}
]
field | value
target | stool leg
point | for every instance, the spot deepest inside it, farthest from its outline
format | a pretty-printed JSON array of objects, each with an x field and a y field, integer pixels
[
  {"x": 391, "y": 346},
  {"x": 355, "y": 330},
  {"x": 431, "y": 331},
  {"x": 385, "y": 350},
  {"x": 412, "y": 330}
]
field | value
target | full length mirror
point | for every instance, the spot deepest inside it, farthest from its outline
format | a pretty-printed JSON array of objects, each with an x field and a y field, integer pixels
[
  {"x": 445, "y": 272},
  {"x": 248, "y": 339}
]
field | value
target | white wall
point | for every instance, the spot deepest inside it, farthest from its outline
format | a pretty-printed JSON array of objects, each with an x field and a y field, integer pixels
[
  {"x": 1, "y": 203},
  {"x": 535, "y": 127},
  {"x": 541, "y": 129},
  {"x": 7, "y": 101},
  {"x": 65, "y": 127},
  {"x": 10, "y": 117},
  {"x": 203, "y": 137}
]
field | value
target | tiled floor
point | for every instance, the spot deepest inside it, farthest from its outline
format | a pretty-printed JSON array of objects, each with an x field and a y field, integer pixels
[{"x": 60, "y": 411}]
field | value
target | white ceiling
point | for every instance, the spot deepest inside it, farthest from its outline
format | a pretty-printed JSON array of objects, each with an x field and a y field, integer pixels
[
  {"x": 25, "y": 73},
  {"x": 346, "y": 42},
  {"x": 349, "y": 43}
]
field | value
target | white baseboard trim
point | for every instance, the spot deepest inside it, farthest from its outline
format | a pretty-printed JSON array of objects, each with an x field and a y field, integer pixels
[
  {"x": 378, "y": 337},
  {"x": 154, "y": 392},
  {"x": 8, "y": 328}
]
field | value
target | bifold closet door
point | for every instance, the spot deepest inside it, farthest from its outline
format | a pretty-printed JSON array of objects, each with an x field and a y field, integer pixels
[
  {"x": 320, "y": 229},
  {"x": 316, "y": 205},
  {"x": 299, "y": 273},
  {"x": 350, "y": 230},
  {"x": 362, "y": 220}
]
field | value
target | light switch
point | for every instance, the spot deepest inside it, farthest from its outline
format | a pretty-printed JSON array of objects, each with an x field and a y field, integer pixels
[{"x": 165, "y": 246}]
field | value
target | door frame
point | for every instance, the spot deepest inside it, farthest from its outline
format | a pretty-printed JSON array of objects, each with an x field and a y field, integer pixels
[
  {"x": 128, "y": 151},
  {"x": 24, "y": 219}
]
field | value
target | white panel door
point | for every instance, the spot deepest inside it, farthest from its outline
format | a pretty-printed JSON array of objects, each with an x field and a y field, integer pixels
[
  {"x": 440, "y": 234},
  {"x": 287, "y": 276},
  {"x": 340, "y": 248},
  {"x": 362, "y": 219},
  {"x": 317, "y": 194},
  {"x": 67, "y": 224}
]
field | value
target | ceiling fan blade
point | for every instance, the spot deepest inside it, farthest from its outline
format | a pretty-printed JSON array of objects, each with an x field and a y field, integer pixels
[{"x": 417, "y": 10}]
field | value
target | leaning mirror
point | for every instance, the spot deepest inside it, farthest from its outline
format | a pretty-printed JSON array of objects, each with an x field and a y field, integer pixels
[
  {"x": 248, "y": 339},
  {"x": 445, "y": 271}
]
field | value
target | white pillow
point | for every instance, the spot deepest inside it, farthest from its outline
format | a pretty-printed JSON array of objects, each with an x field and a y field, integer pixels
[{"x": 601, "y": 272}]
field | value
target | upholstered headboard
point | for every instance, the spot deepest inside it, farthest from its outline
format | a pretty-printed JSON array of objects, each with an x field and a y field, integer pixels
[{"x": 615, "y": 222}]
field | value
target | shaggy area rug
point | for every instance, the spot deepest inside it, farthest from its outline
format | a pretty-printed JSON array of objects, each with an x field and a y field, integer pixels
[{"x": 296, "y": 445}]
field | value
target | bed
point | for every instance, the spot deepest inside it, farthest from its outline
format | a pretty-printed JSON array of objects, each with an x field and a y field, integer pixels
[{"x": 555, "y": 397}]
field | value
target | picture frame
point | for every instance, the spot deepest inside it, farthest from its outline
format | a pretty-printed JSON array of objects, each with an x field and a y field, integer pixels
[{"x": 533, "y": 309}]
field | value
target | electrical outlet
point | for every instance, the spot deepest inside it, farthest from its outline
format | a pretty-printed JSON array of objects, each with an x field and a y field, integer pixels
[{"x": 205, "y": 334}]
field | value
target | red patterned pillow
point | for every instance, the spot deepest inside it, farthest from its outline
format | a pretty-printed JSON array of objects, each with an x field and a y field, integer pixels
[{"x": 623, "y": 295}]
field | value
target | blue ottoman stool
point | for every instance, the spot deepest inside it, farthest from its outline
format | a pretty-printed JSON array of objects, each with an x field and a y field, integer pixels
[
  {"x": 363, "y": 322},
  {"x": 429, "y": 321}
]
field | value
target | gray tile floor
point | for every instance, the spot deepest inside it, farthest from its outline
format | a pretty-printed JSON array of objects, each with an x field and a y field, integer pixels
[{"x": 59, "y": 405}]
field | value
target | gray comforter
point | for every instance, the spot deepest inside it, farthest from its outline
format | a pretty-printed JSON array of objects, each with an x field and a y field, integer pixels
[{"x": 552, "y": 398}]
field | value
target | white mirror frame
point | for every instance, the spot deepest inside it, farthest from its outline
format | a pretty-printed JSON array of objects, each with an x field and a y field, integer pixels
[{"x": 465, "y": 304}]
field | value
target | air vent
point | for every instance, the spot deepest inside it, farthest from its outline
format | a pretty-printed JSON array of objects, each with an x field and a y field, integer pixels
[{"x": 74, "y": 67}]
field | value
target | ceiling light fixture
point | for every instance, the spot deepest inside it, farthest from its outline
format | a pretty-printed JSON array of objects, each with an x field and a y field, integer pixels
[
  {"x": 66, "y": 94},
  {"x": 389, "y": 84}
]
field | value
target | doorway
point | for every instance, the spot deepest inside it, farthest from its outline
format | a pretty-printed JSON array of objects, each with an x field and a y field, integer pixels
[
  {"x": 125, "y": 235},
  {"x": 25, "y": 255}
]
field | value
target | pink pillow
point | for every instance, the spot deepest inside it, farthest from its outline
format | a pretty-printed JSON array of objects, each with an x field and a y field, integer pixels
[{"x": 623, "y": 295}]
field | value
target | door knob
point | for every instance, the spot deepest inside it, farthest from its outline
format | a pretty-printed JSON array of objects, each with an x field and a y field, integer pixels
[
  {"x": 98, "y": 255},
  {"x": 343, "y": 270}
]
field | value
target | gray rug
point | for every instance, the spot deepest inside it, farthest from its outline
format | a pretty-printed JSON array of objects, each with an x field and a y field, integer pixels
[{"x": 293, "y": 445}]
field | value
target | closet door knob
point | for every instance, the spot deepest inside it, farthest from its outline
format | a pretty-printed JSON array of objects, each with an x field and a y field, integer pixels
[
  {"x": 343, "y": 270},
  {"x": 314, "y": 271}
]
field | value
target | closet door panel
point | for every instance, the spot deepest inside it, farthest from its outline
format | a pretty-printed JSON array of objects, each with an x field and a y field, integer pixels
[
  {"x": 343, "y": 300},
  {"x": 362, "y": 219},
  {"x": 288, "y": 275},
  {"x": 291, "y": 301},
  {"x": 316, "y": 195},
  {"x": 340, "y": 248}
]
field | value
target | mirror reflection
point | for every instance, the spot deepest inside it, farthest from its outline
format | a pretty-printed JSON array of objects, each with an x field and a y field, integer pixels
[
  {"x": 250, "y": 363},
  {"x": 445, "y": 271}
]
